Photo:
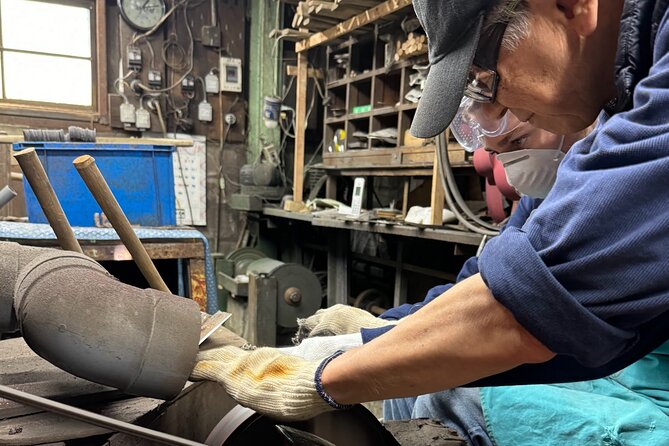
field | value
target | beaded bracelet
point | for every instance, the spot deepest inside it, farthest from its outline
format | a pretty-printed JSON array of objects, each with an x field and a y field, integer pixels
[{"x": 319, "y": 385}]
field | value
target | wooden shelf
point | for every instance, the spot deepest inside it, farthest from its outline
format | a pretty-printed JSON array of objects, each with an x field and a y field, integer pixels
[{"x": 380, "y": 227}]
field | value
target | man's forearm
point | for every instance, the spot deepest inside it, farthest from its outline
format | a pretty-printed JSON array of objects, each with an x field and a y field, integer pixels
[{"x": 460, "y": 337}]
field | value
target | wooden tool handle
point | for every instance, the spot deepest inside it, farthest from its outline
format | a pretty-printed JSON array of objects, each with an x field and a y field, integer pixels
[
  {"x": 96, "y": 183},
  {"x": 36, "y": 176}
]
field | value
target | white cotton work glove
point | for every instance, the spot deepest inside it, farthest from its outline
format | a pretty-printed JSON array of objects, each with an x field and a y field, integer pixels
[
  {"x": 272, "y": 383},
  {"x": 337, "y": 320},
  {"x": 324, "y": 346}
]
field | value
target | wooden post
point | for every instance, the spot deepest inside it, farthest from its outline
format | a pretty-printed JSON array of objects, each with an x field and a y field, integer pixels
[
  {"x": 36, "y": 175},
  {"x": 405, "y": 196},
  {"x": 338, "y": 277},
  {"x": 300, "y": 127},
  {"x": 437, "y": 201},
  {"x": 262, "y": 310}
]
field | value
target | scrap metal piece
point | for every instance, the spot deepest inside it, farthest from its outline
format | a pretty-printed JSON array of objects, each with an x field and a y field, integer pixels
[{"x": 299, "y": 437}]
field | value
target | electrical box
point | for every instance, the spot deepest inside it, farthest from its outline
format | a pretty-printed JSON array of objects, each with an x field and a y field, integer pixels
[
  {"x": 155, "y": 78},
  {"x": 211, "y": 84},
  {"x": 143, "y": 119},
  {"x": 205, "y": 112},
  {"x": 127, "y": 113},
  {"x": 134, "y": 56},
  {"x": 188, "y": 84},
  {"x": 231, "y": 74}
]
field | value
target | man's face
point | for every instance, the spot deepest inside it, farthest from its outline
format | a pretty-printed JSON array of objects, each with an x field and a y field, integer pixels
[{"x": 561, "y": 76}]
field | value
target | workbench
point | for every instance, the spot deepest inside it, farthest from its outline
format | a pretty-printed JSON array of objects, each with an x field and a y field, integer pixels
[{"x": 187, "y": 246}]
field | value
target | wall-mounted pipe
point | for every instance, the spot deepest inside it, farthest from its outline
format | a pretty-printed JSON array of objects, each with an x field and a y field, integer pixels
[
  {"x": 7, "y": 194},
  {"x": 75, "y": 315}
]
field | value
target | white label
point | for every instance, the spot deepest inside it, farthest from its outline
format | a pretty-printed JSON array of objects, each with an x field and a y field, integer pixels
[
  {"x": 205, "y": 112},
  {"x": 142, "y": 119},
  {"x": 211, "y": 83},
  {"x": 190, "y": 181},
  {"x": 127, "y": 113}
]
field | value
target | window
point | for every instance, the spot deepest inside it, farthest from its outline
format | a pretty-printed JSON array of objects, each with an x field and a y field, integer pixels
[{"x": 47, "y": 52}]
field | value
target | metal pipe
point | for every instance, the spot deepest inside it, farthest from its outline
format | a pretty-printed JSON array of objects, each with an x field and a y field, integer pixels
[
  {"x": 96, "y": 183},
  {"x": 75, "y": 315},
  {"x": 7, "y": 194},
  {"x": 38, "y": 180},
  {"x": 13, "y": 258},
  {"x": 93, "y": 418}
]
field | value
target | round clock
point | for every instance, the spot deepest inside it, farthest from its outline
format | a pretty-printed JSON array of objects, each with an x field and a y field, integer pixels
[{"x": 142, "y": 14}]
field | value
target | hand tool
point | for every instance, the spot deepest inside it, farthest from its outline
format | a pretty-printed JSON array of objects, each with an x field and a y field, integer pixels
[
  {"x": 38, "y": 180},
  {"x": 97, "y": 185}
]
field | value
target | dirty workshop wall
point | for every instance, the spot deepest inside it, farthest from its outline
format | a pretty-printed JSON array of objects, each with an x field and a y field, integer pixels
[{"x": 167, "y": 51}]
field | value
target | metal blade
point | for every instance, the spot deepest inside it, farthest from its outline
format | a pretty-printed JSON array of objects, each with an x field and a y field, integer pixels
[
  {"x": 302, "y": 438},
  {"x": 211, "y": 323}
]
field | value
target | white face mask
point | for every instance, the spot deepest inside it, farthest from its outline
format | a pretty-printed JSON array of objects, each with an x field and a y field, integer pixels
[{"x": 532, "y": 171}]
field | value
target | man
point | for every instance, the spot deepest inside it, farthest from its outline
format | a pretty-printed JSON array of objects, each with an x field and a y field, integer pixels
[{"x": 592, "y": 256}]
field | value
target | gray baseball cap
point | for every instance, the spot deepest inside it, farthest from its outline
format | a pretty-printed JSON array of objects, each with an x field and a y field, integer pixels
[{"x": 453, "y": 28}]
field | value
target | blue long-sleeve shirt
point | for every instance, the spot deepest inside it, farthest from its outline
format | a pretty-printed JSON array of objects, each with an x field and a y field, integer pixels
[{"x": 588, "y": 273}]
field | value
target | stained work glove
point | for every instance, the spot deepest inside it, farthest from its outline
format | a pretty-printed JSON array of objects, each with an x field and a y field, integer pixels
[
  {"x": 281, "y": 386},
  {"x": 323, "y": 346},
  {"x": 337, "y": 320}
]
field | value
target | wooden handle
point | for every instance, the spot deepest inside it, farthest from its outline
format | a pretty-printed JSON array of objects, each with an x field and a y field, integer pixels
[
  {"x": 96, "y": 183},
  {"x": 36, "y": 176}
]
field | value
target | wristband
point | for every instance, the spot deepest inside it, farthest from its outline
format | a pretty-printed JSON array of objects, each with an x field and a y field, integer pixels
[{"x": 319, "y": 385}]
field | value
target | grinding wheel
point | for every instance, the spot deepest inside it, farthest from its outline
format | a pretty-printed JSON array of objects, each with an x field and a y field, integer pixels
[
  {"x": 299, "y": 292},
  {"x": 354, "y": 427},
  {"x": 242, "y": 257}
]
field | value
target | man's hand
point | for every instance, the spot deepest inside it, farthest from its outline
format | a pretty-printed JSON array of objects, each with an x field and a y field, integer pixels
[
  {"x": 337, "y": 320},
  {"x": 265, "y": 380}
]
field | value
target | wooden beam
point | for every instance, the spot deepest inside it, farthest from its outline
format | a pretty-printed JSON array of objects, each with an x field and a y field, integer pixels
[
  {"x": 291, "y": 70},
  {"x": 355, "y": 22},
  {"x": 300, "y": 127}
]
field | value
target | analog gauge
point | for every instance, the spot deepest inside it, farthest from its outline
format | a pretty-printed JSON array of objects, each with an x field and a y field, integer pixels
[{"x": 142, "y": 14}]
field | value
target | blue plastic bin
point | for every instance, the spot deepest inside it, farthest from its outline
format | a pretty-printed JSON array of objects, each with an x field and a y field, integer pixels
[{"x": 140, "y": 176}]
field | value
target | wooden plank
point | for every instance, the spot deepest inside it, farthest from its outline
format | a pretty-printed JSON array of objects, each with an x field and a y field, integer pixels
[
  {"x": 22, "y": 369},
  {"x": 48, "y": 427},
  {"x": 157, "y": 251},
  {"x": 300, "y": 127},
  {"x": 291, "y": 70},
  {"x": 358, "y": 21}
]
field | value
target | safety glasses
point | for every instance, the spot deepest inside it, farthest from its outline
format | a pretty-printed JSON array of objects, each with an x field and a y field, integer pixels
[
  {"x": 473, "y": 123},
  {"x": 483, "y": 78}
]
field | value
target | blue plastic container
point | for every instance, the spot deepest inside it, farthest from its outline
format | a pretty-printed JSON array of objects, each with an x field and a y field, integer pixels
[{"x": 140, "y": 176}]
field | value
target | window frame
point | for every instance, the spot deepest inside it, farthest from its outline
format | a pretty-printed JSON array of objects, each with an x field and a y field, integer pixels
[{"x": 92, "y": 113}]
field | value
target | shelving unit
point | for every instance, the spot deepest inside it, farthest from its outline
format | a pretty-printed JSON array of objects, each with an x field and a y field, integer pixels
[
  {"x": 368, "y": 82},
  {"x": 345, "y": 90}
]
